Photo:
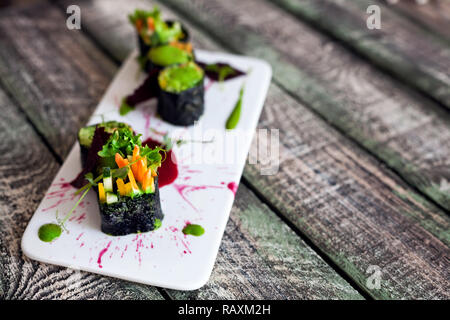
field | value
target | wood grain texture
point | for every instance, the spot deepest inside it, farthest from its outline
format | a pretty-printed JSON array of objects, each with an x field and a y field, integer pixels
[
  {"x": 22, "y": 185},
  {"x": 352, "y": 208},
  {"x": 404, "y": 49},
  {"x": 55, "y": 74},
  {"x": 434, "y": 16},
  {"x": 345, "y": 201},
  {"x": 262, "y": 258},
  {"x": 275, "y": 265},
  {"x": 408, "y": 132},
  {"x": 121, "y": 38}
]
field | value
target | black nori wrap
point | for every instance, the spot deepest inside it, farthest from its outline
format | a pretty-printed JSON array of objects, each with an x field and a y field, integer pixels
[
  {"x": 153, "y": 69},
  {"x": 144, "y": 48},
  {"x": 183, "y": 108},
  {"x": 131, "y": 215}
]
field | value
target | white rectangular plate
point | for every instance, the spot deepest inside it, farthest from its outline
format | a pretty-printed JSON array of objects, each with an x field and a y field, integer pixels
[{"x": 203, "y": 193}]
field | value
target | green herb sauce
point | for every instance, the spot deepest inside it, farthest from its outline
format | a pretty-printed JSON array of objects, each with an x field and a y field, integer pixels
[
  {"x": 194, "y": 230},
  {"x": 158, "y": 224},
  {"x": 125, "y": 108},
  {"x": 49, "y": 232},
  {"x": 233, "y": 119},
  {"x": 168, "y": 55},
  {"x": 179, "y": 78}
]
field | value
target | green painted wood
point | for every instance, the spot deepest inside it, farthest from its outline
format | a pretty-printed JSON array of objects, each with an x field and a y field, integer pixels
[
  {"x": 411, "y": 53},
  {"x": 26, "y": 170},
  {"x": 275, "y": 266},
  {"x": 408, "y": 132},
  {"x": 341, "y": 198}
]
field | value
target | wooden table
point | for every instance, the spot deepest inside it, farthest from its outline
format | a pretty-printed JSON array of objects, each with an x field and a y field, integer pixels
[{"x": 363, "y": 188}]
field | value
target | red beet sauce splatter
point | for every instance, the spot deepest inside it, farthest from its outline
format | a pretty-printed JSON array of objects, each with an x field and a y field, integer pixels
[
  {"x": 233, "y": 187},
  {"x": 169, "y": 168},
  {"x": 100, "y": 255}
]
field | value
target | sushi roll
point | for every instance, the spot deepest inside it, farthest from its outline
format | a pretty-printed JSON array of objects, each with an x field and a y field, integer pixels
[
  {"x": 144, "y": 47},
  {"x": 181, "y": 93},
  {"x": 127, "y": 188},
  {"x": 86, "y": 135},
  {"x": 132, "y": 214},
  {"x": 153, "y": 31}
]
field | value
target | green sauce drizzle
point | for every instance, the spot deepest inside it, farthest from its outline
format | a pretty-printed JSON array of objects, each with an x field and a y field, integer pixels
[
  {"x": 125, "y": 108},
  {"x": 157, "y": 224},
  {"x": 233, "y": 119},
  {"x": 194, "y": 229},
  {"x": 49, "y": 232}
]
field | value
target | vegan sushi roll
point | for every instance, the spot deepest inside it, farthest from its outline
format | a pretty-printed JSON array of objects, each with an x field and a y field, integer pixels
[
  {"x": 174, "y": 77},
  {"x": 127, "y": 187},
  {"x": 181, "y": 93},
  {"x": 153, "y": 31}
]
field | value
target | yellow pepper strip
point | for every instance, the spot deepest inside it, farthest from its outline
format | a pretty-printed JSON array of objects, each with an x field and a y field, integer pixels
[
  {"x": 152, "y": 184},
  {"x": 128, "y": 188},
  {"x": 121, "y": 187},
  {"x": 101, "y": 193},
  {"x": 134, "y": 186},
  {"x": 163, "y": 83},
  {"x": 154, "y": 174}
]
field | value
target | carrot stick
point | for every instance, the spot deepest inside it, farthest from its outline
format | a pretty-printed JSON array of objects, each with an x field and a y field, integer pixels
[
  {"x": 135, "y": 165},
  {"x": 121, "y": 162}
]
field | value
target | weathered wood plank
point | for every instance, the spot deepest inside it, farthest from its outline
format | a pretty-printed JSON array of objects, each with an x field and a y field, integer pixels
[
  {"x": 269, "y": 270},
  {"x": 407, "y": 131},
  {"x": 352, "y": 208},
  {"x": 23, "y": 183},
  {"x": 261, "y": 257},
  {"x": 435, "y": 15},
  {"x": 112, "y": 16},
  {"x": 47, "y": 75},
  {"x": 404, "y": 49},
  {"x": 344, "y": 200}
]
